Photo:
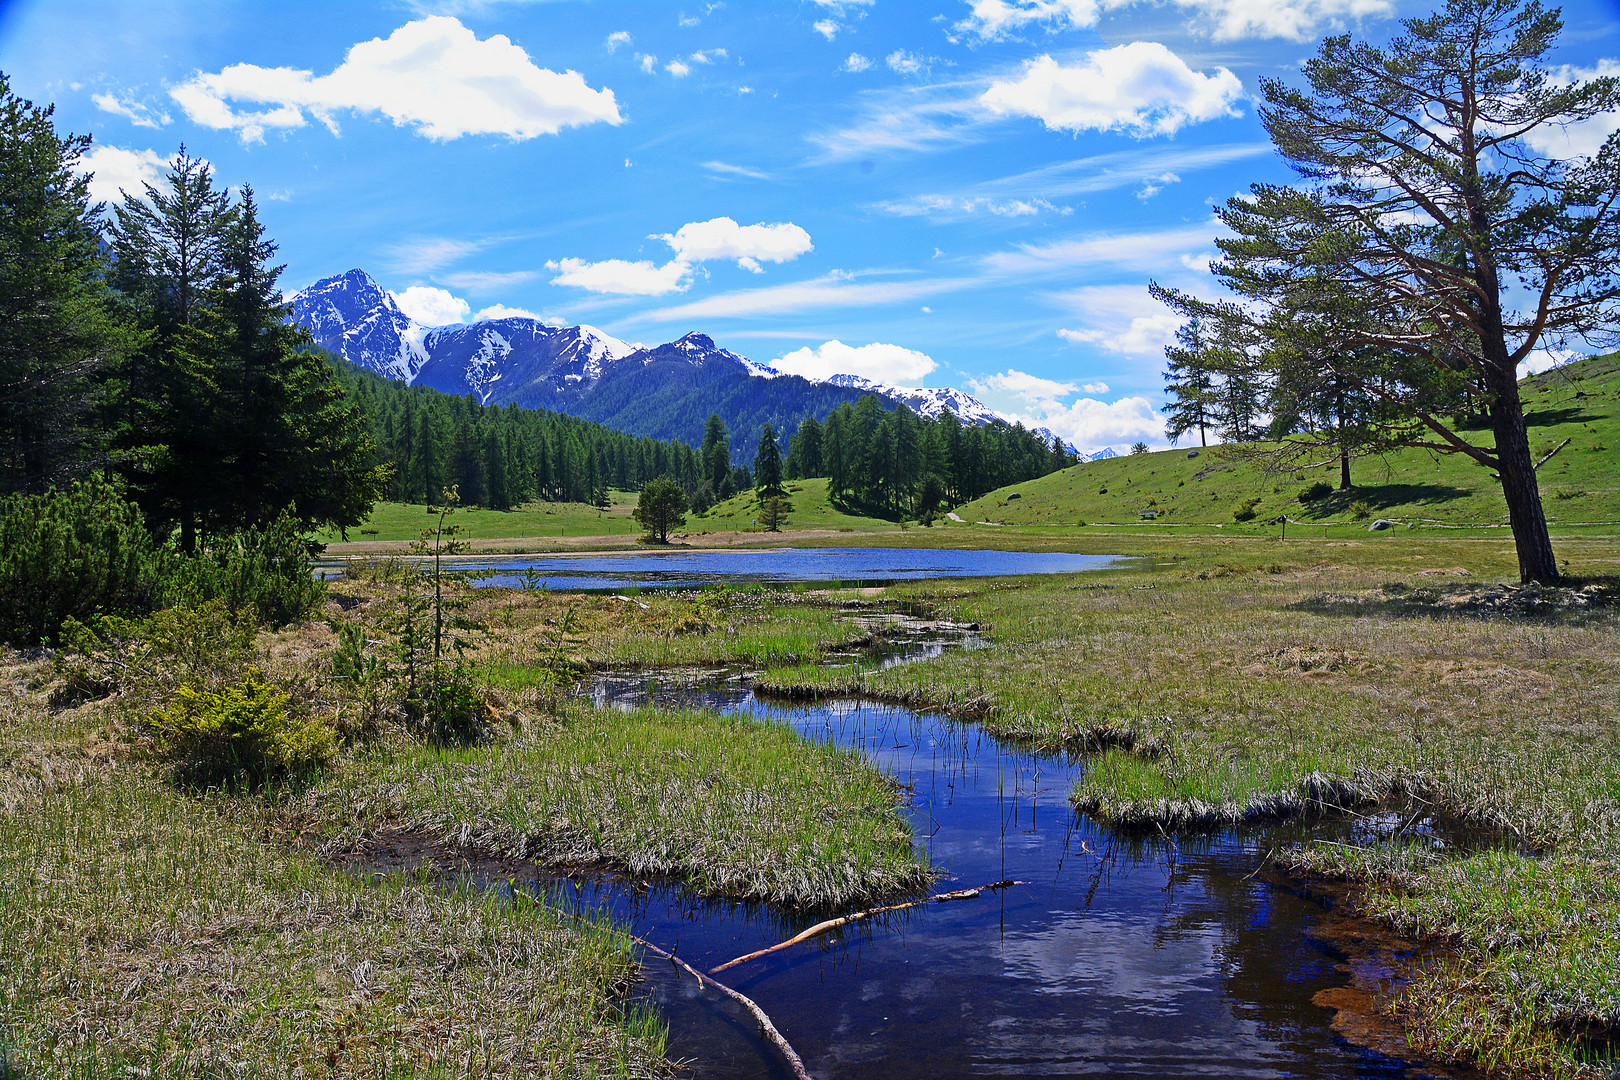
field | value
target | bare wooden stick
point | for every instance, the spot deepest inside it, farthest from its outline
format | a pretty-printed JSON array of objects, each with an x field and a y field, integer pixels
[
  {"x": 1551, "y": 452},
  {"x": 781, "y": 1044},
  {"x": 842, "y": 920}
]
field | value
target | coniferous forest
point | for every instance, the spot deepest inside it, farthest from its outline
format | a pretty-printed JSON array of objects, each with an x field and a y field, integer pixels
[{"x": 149, "y": 346}]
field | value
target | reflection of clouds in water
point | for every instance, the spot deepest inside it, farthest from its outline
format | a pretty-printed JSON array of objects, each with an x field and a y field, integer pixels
[{"x": 1116, "y": 958}]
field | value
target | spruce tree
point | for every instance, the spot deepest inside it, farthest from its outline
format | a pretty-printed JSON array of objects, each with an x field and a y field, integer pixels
[
  {"x": 768, "y": 464},
  {"x": 169, "y": 253},
  {"x": 57, "y": 333}
]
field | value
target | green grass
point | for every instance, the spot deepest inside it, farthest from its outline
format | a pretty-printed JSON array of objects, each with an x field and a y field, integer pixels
[
  {"x": 1247, "y": 679},
  {"x": 405, "y": 521},
  {"x": 812, "y": 509},
  {"x": 1581, "y": 483},
  {"x": 146, "y": 932},
  {"x": 730, "y": 805}
]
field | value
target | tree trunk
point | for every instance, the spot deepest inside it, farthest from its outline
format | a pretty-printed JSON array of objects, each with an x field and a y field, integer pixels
[
  {"x": 1344, "y": 472},
  {"x": 1518, "y": 474},
  {"x": 188, "y": 527}
]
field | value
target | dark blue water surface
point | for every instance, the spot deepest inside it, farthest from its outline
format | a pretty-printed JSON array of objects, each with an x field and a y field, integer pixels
[
  {"x": 1121, "y": 956},
  {"x": 686, "y": 570}
]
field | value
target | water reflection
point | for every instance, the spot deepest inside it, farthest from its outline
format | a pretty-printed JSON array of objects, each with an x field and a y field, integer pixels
[
  {"x": 1121, "y": 956},
  {"x": 827, "y": 566}
]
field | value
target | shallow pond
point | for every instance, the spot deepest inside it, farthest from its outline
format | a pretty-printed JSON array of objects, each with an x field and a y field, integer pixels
[
  {"x": 843, "y": 566},
  {"x": 1118, "y": 956}
]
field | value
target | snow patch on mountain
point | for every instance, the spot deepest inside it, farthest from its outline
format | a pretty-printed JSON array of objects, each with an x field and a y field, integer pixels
[{"x": 521, "y": 356}]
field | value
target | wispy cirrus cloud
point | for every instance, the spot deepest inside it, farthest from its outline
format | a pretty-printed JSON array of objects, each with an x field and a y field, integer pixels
[
  {"x": 910, "y": 118},
  {"x": 724, "y": 168},
  {"x": 426, "y": 254},
  {"x": 1223, "y": 20},
  {"x": 485, "y": 280},
  {"x": 958, "y": 207},
  {"x": 1143, "y": 251},
  {"x": 137, "y": 113},
  {"x": 433, "y": 75},
  {"x": 830, "y": 291}
]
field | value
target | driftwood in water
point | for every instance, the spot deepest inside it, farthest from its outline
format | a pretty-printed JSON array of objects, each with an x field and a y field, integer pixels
[
  {"x": 748, "y": 1003},
  {"x": 842, "y": 920}
]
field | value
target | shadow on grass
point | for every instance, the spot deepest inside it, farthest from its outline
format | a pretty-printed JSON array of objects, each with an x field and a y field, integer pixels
[
  {"x": 1577, "y": 600},
  {"x": 1568, "y": 414},
  {"x": 1382, "y": 497}
]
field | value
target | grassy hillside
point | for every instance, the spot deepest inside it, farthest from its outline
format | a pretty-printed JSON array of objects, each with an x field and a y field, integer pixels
[
  {"x": 1580, "y": 402},
  {"x": 405, "y": 521},
  {"x": 812, "y": 509}
]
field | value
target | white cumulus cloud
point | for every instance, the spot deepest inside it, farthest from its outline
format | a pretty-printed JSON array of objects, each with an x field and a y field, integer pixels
[
  {"x": 617, "y": 38},
  {"x": 1294, "y": 20},
  {"x": 621, "y": 277},
  {"x": 893, "y": 364},
  {"x": 432, "y": 74},
  {"x": 906, "y": 63},
  {"x": 1143, "y": 335},
  {"x": 120, "y": 174},
  {"x": 856, "y": 62},
  {"x": 1020, "y": 384},
  {"x": 723, "y": 238},
  {"x": 1092, "y": 424},
  {"x": 1142, "y": 88},
  {"x": 678, "y": 69},
  {"x": 827, "y": 28},
  {"x": 501, "y": 311},
  {"x": 432, "y": 307}
]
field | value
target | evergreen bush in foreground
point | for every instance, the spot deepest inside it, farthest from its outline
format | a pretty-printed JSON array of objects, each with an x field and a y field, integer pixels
[{"x": 72, "y": 553}]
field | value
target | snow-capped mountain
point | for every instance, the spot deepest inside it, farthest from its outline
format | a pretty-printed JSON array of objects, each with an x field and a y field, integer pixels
[
  {"x": 358, "y": 319},
  {"x": 501, "y": 357},
  {"x": 664, "y": 391},
  {"x": 929, "y": 403}
]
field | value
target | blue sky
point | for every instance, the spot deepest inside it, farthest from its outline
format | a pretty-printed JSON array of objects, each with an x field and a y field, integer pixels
[{"x": 940, "y": 194}]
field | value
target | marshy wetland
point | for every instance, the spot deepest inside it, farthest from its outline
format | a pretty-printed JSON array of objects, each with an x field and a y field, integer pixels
[{"x": 1324, "y": 810}]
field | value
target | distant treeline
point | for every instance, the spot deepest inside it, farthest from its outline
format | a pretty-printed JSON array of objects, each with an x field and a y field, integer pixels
[
  {"x": 897, "y": 462},
  {"x": 890, "y": 461},
  {"x": 504, "y": 456}
]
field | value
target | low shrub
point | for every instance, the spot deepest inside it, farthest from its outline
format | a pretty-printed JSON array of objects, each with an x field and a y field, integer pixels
[
  {"x": 1360, "y": 510},
  {"x": 262, "y": 573},
  {"x": 1245, "y": 510},
  {"x": 448, "y": 707},
  {"x": 72, "y": 554},
  {"x": 241, "y": 731},
  {"x": 1321, "y": 489},
  {"x": 82, "y": 552}
]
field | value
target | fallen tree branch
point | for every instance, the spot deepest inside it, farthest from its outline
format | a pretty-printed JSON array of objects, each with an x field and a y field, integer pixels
[
  {"x": 781, "y": 1044},
  {"x": 1553, "y": 451},
  {"x": 842, "y": 920}
]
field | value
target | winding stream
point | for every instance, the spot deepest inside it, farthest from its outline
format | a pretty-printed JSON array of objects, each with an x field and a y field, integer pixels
[{"x": 1121, "y": 956}]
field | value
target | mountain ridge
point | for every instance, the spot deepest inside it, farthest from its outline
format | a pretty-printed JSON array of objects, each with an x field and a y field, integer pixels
[{"x": 665, "y": 391}]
